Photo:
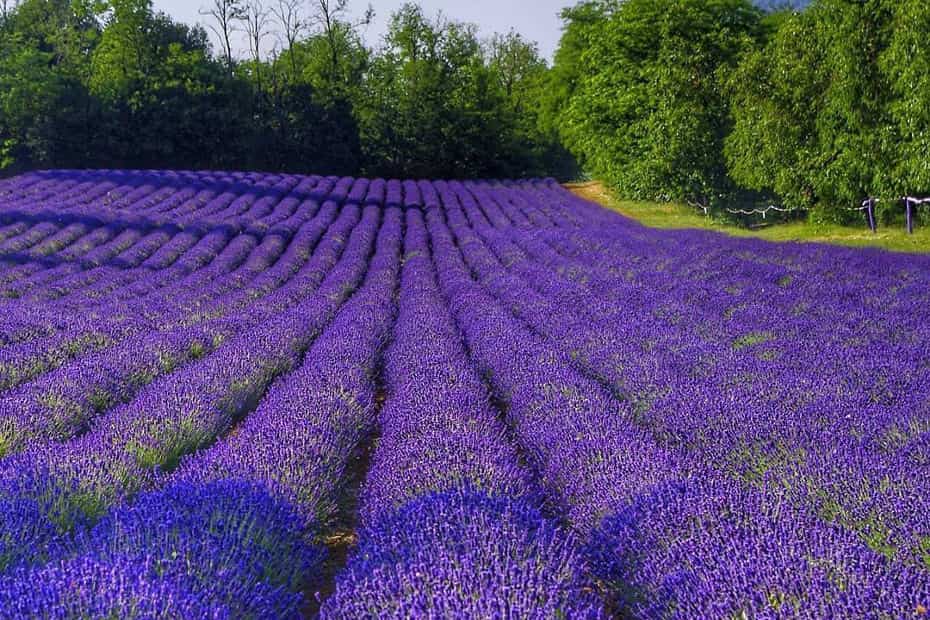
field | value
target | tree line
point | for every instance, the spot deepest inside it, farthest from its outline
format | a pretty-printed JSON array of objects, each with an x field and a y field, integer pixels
[
  {"x": 712, "y": 102},
  {"x": 116, "y": 84},
  {"x": 717, "y": 102}
]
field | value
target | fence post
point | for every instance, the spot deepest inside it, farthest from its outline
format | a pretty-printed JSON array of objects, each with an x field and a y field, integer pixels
[
  {"x": 910, "y": 218},
  {"x": 870, "y": 210}
]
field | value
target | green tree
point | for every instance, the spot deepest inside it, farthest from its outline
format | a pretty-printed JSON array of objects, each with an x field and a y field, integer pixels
[
  {"x": 44, "y": 45},
  {"x": 29, "y": 89},
  {"x": 165, "y": 100},
  {"x": 648, "y": 113},
  {"x": 114, "y": 83},
  {"x": 774, "y": 95},
  {"x": 342, "y": 79},
  {"x": 306, "y": 96},
  {"x": 522, "y": 76},
  {"x": 905, "y": 63},
  {"x": 811, "y": 109},
  {"x": 123, "y": 57},
  {"x": 430, "y": 106},
  {"x": 581, "y": 25},
  {"x": 338, "y": 39}
]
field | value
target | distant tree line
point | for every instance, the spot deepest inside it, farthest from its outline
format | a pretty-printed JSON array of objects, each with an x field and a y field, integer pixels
[
  {"x": 113, "y": 83},
  {"x": 718, "y": 102},
  {"x": 713, "y": 102}
]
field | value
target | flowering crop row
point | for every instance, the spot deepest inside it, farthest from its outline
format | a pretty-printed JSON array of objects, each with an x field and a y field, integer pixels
[{"x": 567, "y": 414}]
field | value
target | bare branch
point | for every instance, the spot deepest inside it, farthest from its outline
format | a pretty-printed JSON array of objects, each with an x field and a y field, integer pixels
[
  {"x": 331, "y": 15},
  {"x": 255, "y": 23},
  {"x": 225, "y": 14},
  {"x": 290, "y": 16}
]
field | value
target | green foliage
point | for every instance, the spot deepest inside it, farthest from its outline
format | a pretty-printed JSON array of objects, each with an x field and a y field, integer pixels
[
  {"x": 647, "y": 112},
  {"x": 774, "y": 95},
  {"x": 834, "y": 108},
  {"x": 905, "y": 63},
  {"x": 580, "y": 29},
  {"x": 94, "y": 83},
  {"x": 28, "y": 91},
  {"x": 333, "y": 64},
  {"x": 715, "y": 102},
  {"x": 43, "y": 45},
  {"x": 700, "y": 101},
  {"x": 525, "y": 80},
  {"x": 430, "y": 104}
]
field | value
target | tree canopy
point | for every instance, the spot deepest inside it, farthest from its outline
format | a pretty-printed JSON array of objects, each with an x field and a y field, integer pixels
[
  {"x": 114, "y": 83},
  {"x": 811, "y": 108},
  {"x": 816, "y": 106},
  {"x": 647, "y": 112},
  {"x": 813, "y": 105}
]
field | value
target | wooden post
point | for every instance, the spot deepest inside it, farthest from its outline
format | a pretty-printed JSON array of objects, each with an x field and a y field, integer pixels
[
  {"x": 910, "y": 218},
  {"x": 870, "y": 211}
]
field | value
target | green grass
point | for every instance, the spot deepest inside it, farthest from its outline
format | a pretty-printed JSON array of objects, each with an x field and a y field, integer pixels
[
  {"x": 677, "y": 216},
  {"x": 750, "y": 340}
]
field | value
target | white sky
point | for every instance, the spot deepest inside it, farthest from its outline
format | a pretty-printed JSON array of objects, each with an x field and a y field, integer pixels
[{"x": 536, "y": 20}]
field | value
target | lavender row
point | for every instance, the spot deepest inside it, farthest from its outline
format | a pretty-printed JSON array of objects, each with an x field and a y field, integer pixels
[
  {"x": 31, "y": 354},
  {"x": 450, "y": 520},
  {"x": 75, "y": 482},
  {"x": 641, "y": 447},
  {"x": 86, "y": 230},
  {"x": 619, "y": 344},
  {"x": 228, "y": 225},
  {"x": 694, "y": 412},
  {"x": 287, "y": 215},
  {"x": 658, "y": 386},
  {"x": 194, "y": 280},
  {"x": 88, "y": 215},
  {"x": 248, "y": 512},
  {"x": 229, "y": 228},
  {"x": 775, "y": 420}
]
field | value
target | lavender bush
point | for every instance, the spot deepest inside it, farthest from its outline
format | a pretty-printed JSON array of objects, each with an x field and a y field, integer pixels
[{"x": 567, "y": 414}]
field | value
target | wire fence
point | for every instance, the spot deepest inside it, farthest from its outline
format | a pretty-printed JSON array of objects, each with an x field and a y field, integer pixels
[
  {"x": 910, "y": 203},
  {"x": 763, "y": 211},
  {"x": 868, "y": 207}
]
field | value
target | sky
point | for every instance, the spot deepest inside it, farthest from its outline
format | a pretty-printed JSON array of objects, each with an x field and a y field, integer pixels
[{"x": 536, "y": 20}]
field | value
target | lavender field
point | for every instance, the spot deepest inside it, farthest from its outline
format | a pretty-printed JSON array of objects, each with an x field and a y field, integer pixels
[{"x": 271, "y": 396}]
